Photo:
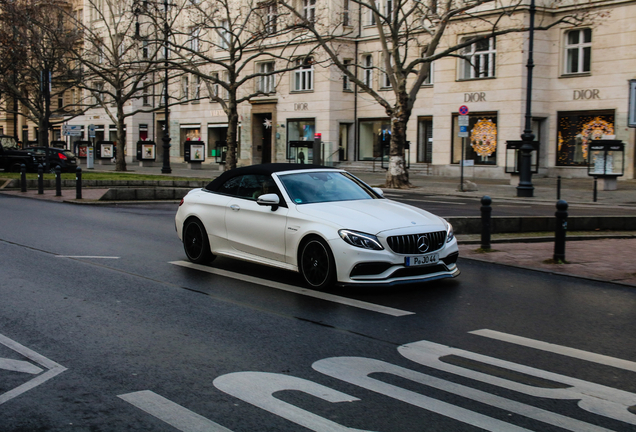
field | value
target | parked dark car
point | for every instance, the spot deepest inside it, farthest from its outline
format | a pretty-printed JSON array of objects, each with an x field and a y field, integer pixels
[
  {"x": 12, "y": 156},
  {"x": 65, "y": 159}
]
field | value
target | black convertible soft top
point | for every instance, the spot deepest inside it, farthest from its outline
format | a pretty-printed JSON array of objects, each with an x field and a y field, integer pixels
[{"x": 266, "y": 169}]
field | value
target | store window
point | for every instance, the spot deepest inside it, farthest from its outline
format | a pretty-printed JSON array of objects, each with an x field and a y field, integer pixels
[
  {"x": 301, "y": 130},
  {"x": 481, "y": 144},
  {"x": 575, "y": 131},
  {"x": 374, "y": 135}
]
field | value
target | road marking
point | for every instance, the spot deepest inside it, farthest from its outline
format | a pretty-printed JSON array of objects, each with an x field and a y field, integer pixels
[
  {"x": 302, "y": 291},
  {"x": 558, "y": 349},
  {"x": 173, "y": 414},
  {"x": 53, "y": 369},
  {"x": 432, "y": 201},
  {"x": 86, "y": 257},
  {"x": 19, "y": 366}
]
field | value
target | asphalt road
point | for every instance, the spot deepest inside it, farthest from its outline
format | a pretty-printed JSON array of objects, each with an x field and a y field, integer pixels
[{"x": 103, "y": 327}]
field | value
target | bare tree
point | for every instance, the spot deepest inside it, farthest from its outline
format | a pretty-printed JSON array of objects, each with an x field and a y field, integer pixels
[
  {"x": 411, "y": 35},
  {"x": 36, "y": 40},
  {"x": 119, "y": 60},
  {"x": 221, "y": 44}
]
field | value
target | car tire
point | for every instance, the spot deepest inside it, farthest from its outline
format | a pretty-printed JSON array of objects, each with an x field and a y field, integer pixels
[
  {"x": 196, "y": 243},
  {"x": 316, "y": 263}
]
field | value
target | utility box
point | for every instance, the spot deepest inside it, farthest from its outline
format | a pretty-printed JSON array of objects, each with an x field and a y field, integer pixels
[
  {"x": 606, "y": 161},
  {"x": 105, "y": 151}
]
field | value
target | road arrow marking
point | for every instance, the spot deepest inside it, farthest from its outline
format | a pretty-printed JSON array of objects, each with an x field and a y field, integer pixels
[{"x": 19, "y": 366}]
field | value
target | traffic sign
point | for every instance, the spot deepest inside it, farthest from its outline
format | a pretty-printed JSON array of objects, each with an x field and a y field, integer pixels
[
  {"x": 463, "y": 120},
  {"x": 463, "y": 110},
  {"x": 463, "y": 131},
  {"x": 72, "y": 130}
]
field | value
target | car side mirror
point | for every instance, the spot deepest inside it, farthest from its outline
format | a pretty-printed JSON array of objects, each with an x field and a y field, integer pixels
[
  {"x": 378, "y": 191},
  {"x": 269, "y": 200}
]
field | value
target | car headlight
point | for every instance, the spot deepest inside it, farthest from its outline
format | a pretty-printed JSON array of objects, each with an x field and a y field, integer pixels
[
  {"x": 361, "y": 240},
  {"x": 450, "y": 235}
]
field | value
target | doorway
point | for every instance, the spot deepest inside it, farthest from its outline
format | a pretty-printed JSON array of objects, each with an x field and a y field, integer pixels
[{"x": 262, "y": 138}]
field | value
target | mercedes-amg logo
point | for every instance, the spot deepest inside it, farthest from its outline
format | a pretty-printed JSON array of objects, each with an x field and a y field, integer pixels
[{"x": 422, "y": 244}]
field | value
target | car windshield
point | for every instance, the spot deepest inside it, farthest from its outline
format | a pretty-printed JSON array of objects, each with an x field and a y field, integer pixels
[{"x": 317, "y": 187}]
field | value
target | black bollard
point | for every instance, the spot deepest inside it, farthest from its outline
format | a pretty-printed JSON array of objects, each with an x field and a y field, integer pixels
[
  {"x": 595, "y": 187},
  {"x": 23, "y": 186},
  {"x": 58, "y": 181},
  {"x": 40, "y": 179},
  {"x": 560, "y": 230},
  {"x": 78, "y": 183},
  {"x": 486, "y": 210},
  {"x": 558, "y": 187}
]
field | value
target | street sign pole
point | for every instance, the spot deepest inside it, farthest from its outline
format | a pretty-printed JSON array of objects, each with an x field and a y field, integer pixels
[{"x": 463, "y": 122}]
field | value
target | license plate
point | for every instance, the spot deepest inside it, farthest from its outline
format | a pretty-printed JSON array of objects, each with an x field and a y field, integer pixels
[{"x": 421, "y": 260}]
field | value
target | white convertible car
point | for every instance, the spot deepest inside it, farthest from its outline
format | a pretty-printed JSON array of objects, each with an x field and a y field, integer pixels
[{"x": 324, "y": 223}]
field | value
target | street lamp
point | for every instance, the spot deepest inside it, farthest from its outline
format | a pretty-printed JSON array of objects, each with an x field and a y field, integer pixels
[
  {"x": 525, "y": 187},
  {"x": 165, "y": 169}
]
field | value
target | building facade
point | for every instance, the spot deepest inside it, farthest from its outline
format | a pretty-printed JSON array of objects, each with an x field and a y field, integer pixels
[{"x": 581, "y": 93}]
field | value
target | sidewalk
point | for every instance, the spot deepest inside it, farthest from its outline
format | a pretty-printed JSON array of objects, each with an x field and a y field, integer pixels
[{"x": 604, "y": 259}]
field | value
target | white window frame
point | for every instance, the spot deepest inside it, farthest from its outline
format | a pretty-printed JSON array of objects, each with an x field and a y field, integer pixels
[
  {"x": 371, "y": 15},
  {"x": 579, "y": 49},
  {"x": 304, "y": 75},
  {"x": 197, "y": 87},
  {"x": 309, "y": 10},
  {"x": 267, "y": 83},
  {"x": 195, "y": 38},
  {"x": 185, "y": 87},
  {"x": 431, "y": 75},
  {"x": 271, "y": 17},
  {"x": 224, "y": 34},
  {"x": 482, "y": 57},
  {"x": 145, "y": 94},
  {"x": 347, "y": 85},
  {"x": 367, "y": 69},
  {"x": 386, "y": 82},
  {"x": 346, "y": 17}
]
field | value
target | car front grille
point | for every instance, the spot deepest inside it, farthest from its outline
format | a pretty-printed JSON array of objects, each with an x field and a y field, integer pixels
[{"x": 408, "y": 244}]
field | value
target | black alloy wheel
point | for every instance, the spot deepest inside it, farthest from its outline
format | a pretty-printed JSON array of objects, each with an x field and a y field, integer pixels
[
  {"x": 196, "y": 243},
  {"x": 317, "y": 264}
]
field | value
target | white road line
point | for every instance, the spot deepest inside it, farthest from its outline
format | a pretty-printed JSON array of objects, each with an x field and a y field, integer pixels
[
  {"x": 303, "y": 291},
  {"x": 558, "y": 349},
  {"x": 54, "y": 369},
  {"x": 86, "y": 257},
  {"x": 433, "y": 201},
  {"x": 19, "y": 366},
  {"x": 173, "y": 414}
]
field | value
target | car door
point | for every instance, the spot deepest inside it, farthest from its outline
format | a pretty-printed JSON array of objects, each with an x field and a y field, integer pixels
[{"x": 252, "y": 228}]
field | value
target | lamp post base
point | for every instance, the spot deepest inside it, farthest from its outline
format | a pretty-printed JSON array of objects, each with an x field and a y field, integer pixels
[{"x": 525, "y": 191}]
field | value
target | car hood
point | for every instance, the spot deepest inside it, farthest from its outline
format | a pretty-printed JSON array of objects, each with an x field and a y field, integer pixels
[{"x": 372, "y": 216}]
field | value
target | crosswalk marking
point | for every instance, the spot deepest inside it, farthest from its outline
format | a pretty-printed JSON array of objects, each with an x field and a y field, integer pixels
[{"x": 19, "y": 366}]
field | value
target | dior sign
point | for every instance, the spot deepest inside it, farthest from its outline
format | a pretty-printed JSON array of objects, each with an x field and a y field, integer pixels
[
  {"x": 475, "y": 97},
  {"x": 586, "y": 94}
]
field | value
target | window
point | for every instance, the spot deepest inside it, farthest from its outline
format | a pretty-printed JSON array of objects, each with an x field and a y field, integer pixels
[
  {"x": 479, "y": 59},
  {"x": 195, "y": 38},
  {"x": 387, "y": 78},
  {"x": 347, "y": 85},
  {"x": 304, "y": 75},
  {"x": 367, "y": 65},
  {"x": 300, "y": 130},
  {"x": 371, "y": 19},
  {"x": 346, "y": 19},
  {"x": 309, "y": 10},
  {"x": 99, "y": 47},
  {"x": 145, "y": 94},
  {"x": 215, "y": 85},
  {"x": 374, "y": 135},
  {"x": 481, "y": 145},
  {"x": 144, "y": 49},
  {"x": 224, "y": 34},
  {"x": 197, "y": 87},
  {"x": 577, "y": 130},
  {"x": 430, "y": 77},
  {"x": 98, "y": 92},
  {"x": 578, "y": 51},
  {"x": 185, "y": 87},
  {"x": 266, "y": 83},
  {"x": 425, "y": 139},
  {"x": 271, "y": 16}
]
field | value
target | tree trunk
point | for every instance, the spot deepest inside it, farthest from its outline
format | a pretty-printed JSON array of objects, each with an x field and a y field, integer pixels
[
  {"x": 397, "y": 176},
  {"x": 120, "y": 155},
  {"x": 232, "y": 136}
]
